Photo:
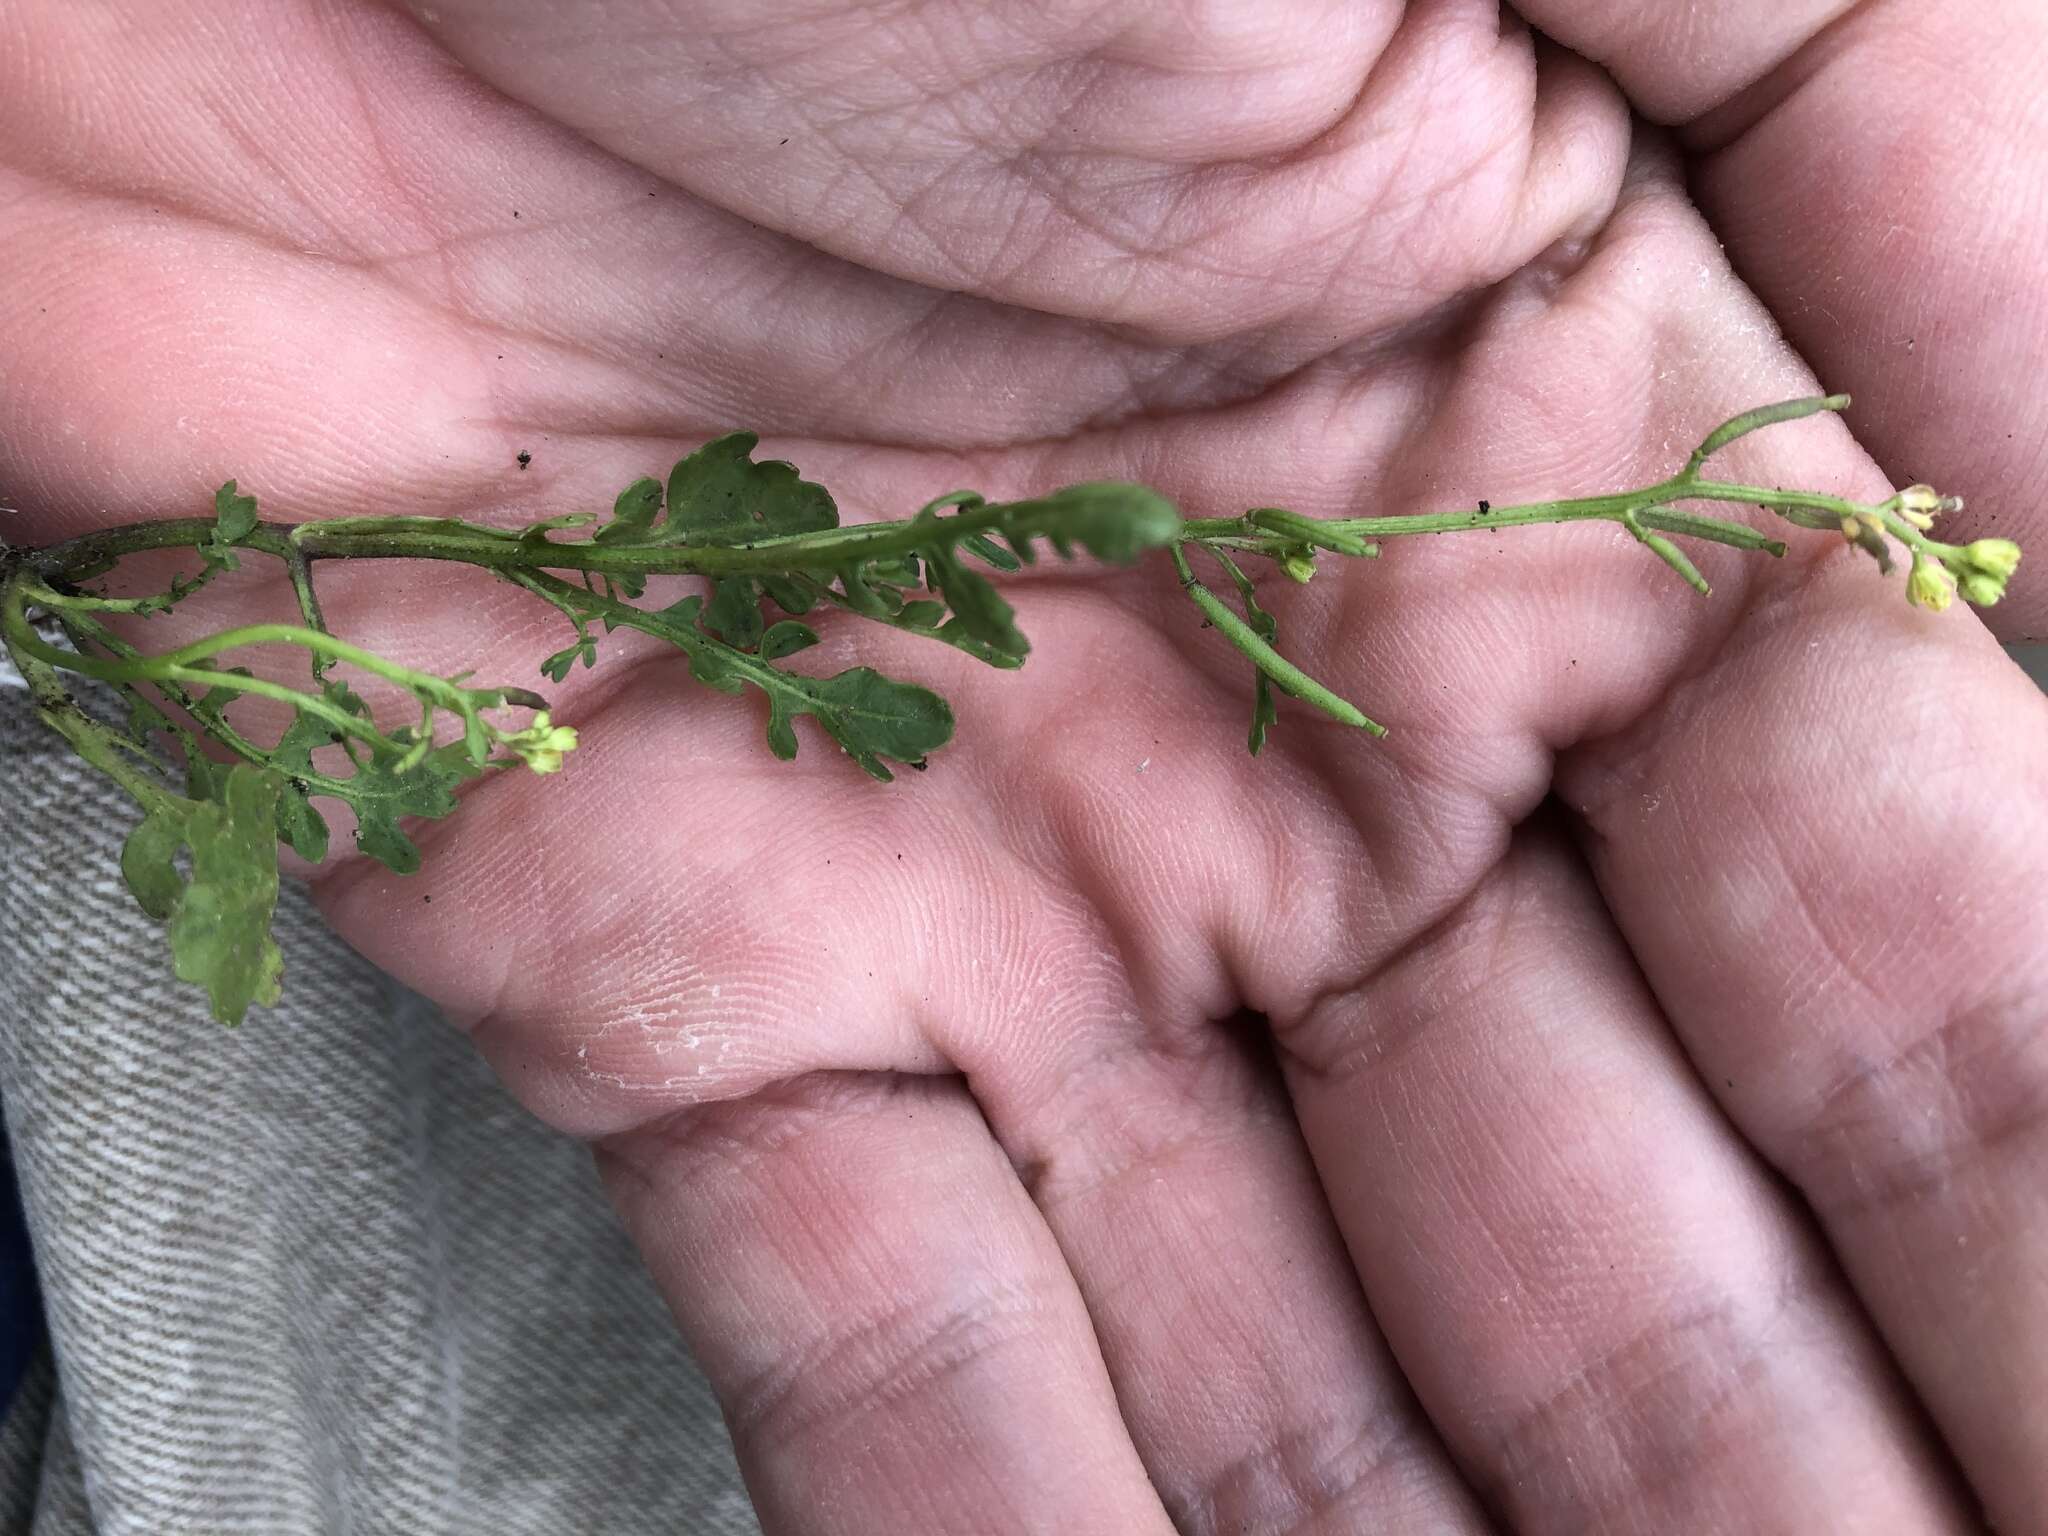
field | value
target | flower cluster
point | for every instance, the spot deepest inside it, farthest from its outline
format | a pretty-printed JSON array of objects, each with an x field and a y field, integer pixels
[
  {"x": 1978, "y": 570},
  {"x": 541, "y": 745}
]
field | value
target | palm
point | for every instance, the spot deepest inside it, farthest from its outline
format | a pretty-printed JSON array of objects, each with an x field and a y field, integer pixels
[{"x": 789, "y": 1000}]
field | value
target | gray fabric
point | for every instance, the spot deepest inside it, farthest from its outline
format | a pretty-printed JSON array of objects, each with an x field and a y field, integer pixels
[
  {"x": 24, "y": 1439},
  {"x": 318, "y": 1274}
]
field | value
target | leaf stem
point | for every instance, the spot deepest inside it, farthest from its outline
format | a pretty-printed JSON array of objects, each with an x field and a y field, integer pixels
[
  {"x": 1286, "y": 676},
  {"x": 88, "y": 738}
]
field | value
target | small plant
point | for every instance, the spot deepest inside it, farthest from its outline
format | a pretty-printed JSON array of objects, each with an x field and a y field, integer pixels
[{"x": 764, "y": 538}]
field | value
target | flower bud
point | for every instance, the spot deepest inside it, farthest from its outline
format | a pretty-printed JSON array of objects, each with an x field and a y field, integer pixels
[
  {"x": 1917, "y": 504},
  {"x": 1982, "y": 569},
  {"x": 542, "y": 743},
  {"x": 1929, "y": 586}
]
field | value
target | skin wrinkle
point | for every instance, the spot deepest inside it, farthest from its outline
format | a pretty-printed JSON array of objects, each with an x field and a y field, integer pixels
[
  {"x": 1601, "y": 1395},
  {"x": 1829, "y": 1153},
  {"x": 455, "y": 305},
  {"x": 1057, "y": 1178},
  {"x": 1343, "y": 998},
  {"x": 898, "y": 202},
  {"x": 1850, "y": 963},
  {"x": 1319, "y": 1483},
  {"x": 718, "y": 1138},
  {"x": 916, "y": 1350}
]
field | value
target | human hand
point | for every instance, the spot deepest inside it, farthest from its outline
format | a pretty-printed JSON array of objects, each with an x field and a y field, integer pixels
[{"x": 1614, "y": 1101}]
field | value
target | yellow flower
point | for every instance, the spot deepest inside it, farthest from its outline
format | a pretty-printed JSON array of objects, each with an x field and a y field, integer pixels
[
  {"x": 542, "y": 743},
  {"x": 1299, "y": 564},
  {"x": 1984, "y": 567},
  {"x": 1930, "y": 586}
]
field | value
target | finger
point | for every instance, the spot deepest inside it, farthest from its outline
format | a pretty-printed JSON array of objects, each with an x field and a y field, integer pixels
[
  {"x": 1605, "y": 1303},
  {"x": 1255, "y": 1384},
  {"x": 1877, "y": 172},
  {"x": 1906, "y": 254},
  {"x": 1826, "y": 851},
  {"x": 894, "y": 1338}
]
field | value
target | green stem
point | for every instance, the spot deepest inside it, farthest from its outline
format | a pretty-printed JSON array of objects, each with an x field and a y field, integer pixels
[
  {"x": 503, "y": 551},
  {"x": 1651, "y": 505},
  {"x": 86, "y": 630},
  {"x": 684, "y": 637},
  {"x": 54, "y": 704},
  {"x": 86, "y": 602},
  {"x": 1285, "y": 674},
  {"x": 301, "y": 572},
  {"x": 174, "y": 663},
  {"x": 171, "y": 666}
]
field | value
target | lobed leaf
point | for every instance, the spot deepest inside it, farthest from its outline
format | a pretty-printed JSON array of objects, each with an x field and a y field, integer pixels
[
  {"x": 379, "y": 792},
  {"x": 234, "y": 519},
  {"x": 220, "y": 931},
  {"x": 871, "y": 716},
  {"x": 220, "y": 917},
  {"x": 721, "y": 495}
]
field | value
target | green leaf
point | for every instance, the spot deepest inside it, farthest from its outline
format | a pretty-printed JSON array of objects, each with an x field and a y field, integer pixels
[
  {"x": 378, "y": 792},
  {"x": 1112, "y": 521},
  {"x": 220, "y": 917},
  {"x": 557, "y": 667},
  {"x": 203, "y": 776},
  {"x": 870, "y": 715},
  {"x": 632, "y": 521},
  {"x": 734, "y": 614},
  {"x": 719, "y": 495},
  {"x": 633, "y": 513},
  {"x": 220, "y": 930},
  {"x": 537, "y": 532},
  {"x": 211, "y": 706},
  {"x": 234, "y": 519},
  {"x": 979, "y": 608},
  {"x": 786, "y": 639},
  {"x": 873, "y": 717},
  {"x": 789, "y": 594},
  {"x": 955, "y": 634},
  {"x": 144, "y": 718},
  {"x": 983, "y": 547},
  {"x": 860, "y": 597},
  {"x": 299, "y": 825},
  {"x": 382, "y": 795},
  {"x": 336, "y": 692},
  {"x": 896, "y": 571},
  {"x": 234, "y": 515},
  {"x": 147, "y": 862}
]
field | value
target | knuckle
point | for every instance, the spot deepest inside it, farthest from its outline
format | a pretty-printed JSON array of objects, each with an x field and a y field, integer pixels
[{"x": 868, "y": 1363}]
